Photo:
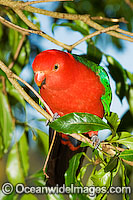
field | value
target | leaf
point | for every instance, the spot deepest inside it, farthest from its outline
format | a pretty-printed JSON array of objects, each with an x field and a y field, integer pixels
[
  {"x": 11, "y": 196},
  {"x": 13, "y": 92},
  {"x": 93, "y": 53},
  {"x": 130, "y": 98},
  {"x": 119, "y": 75},
  {"x": 28, "y": 196},
  {"x": 1, "y": 147},
  {"x": 69, "y": 9},
  {"x": 44, "y": 139},
  {"x": 23, "y": 149},
  {"x": 112, "y": 164},
  {"x": 18, "y": 162},
  {"x": 6, "y": 123},
  {"x": 70, "y": 175},
  {"x": 73, "y": 26},
  {"x": 113, "y": 121},
  {"x": 14, "y": 169},
  {"x": 82, "y": 173},
  {"x": 55, "y": 197},
  {"x": 124, "y": 181},
  {"x": 100, "y": 178},
  {"x": 128, "y": 142},
  {"x": 127, "y": 155},
  {"x": 78, "y": 123}
]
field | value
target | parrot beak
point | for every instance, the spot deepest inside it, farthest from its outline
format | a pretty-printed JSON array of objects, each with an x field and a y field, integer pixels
[{"x": 40, "y": 78}]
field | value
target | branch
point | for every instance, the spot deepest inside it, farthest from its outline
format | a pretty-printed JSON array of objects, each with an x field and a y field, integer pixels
[
  {"x": 85, "y": 18},
  {"x": 50, "y": 149},
  {"x": 38, "y": 32},
  {"x": 11, "y": 78},
  {"x": 114, "y": 20},
  {"x": 17, "y": 51},
  {"x": 105, "y": 30},
  {"x": 130, "y": 4},
  {"x": 35, "y": 92},
  {"x": 41, "y": 1}
]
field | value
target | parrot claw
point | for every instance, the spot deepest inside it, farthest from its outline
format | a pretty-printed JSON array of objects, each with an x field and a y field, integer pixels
[
  {"x": 96, "y": 141},
  {"x": 55, "y": 116}
]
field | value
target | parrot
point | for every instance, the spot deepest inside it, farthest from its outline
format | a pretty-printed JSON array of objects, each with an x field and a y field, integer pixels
[{"x": 70, "y": 83}]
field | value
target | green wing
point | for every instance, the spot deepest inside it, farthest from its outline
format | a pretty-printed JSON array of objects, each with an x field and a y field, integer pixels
[{"x": 107, "y": 97}]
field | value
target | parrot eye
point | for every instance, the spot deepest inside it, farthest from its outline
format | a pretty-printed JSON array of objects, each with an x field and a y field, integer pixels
[{"x": 56, "y": 67}]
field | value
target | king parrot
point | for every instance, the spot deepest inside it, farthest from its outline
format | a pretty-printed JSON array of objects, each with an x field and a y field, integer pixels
[{"x": 70, "y": 83}]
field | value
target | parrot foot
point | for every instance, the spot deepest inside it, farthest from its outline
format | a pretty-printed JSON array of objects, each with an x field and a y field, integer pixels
[
  {"x": 96, "y": 141},
  {"x": 55, "y": 116}
]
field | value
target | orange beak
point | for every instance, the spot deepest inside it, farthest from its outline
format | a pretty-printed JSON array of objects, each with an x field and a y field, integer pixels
[{"x": 39, "y": 77}]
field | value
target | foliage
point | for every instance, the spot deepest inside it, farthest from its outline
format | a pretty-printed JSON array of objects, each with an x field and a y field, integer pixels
[{"x": 18, "y": 133}]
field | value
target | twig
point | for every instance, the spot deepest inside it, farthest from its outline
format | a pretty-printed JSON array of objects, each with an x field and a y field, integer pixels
[
  {"x": 3, "y": 84},
  {"x": 122, "y": 19},
  {"x": 38, "y": 32},
  {"x": 124, "y": 32},
  {"x": 50, "y": 149},
  {"x": 15, "y": 27},
  {"x": 35, "y": 92},
  {"x": 17, "y": 51},
  {"x": 17, "y": 5},
  {"x": 9, "y": 74},
  {"x": 130, "y": 4},
  {"x": 94, "y": 34},
  {"x": 41, "y": 1},
  {"x": 84, "y": 18},
  {"x": 25, "y": 19}
]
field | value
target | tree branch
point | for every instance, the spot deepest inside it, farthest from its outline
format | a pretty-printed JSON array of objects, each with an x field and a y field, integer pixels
[
  {"x": 11, "y": 78},
  {"x": 105, "y": 30},
  {"x": 41, "y": 1},
  {"x": 17, "y": 51}
]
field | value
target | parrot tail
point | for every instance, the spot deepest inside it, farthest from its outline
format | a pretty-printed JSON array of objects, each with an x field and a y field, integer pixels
[{"x": 64, "y": 148}]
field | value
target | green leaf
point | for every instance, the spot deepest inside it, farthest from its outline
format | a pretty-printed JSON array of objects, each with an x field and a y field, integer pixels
[
  {"x": 55, "y": 197},
  {"x": 112, "y": 164},
  {"x": 113, "y": 121},
  {"x": 70, "y": 175},
  {"x": 11, "y": 196},
  {"x": 124, "y": 178},
  {"x": 69, "y": 9},
  {"x": 73, "y": 26},
  {"x": 127, "y": 155},
  {"x": 6, "y": 123},
  {"x": 78, "y": 123},
  {"x": 14, "y": 169},
  {"x": 128, "y": 142},
  {"x": 130, "y": 98},
  {"x": 82, "y": 173},
  {"x": 28, "y": 196},
  {"x": 23, "y": 149},
  {"x": 18, "y": 162},
  {"x": 14, "y": 93},
  {"x": 100, "y": 178},
  {"x": 119, "y": 75},
  {"x": 93, "y": 53},
  {"x": 1, "y": 30},
  {"x": 124, "y": 135},
  {"x": 44, "y": 139},
  {"x": 1, "y": 147}
]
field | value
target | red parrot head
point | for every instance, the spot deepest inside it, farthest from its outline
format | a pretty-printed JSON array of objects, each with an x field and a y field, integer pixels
[{"x": 51, "y": 67}]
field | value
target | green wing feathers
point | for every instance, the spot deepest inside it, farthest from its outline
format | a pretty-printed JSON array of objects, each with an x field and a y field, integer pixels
[{"x": 107, "y": 97}]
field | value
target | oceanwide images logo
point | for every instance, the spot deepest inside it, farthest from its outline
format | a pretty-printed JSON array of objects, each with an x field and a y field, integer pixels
[{"x": 8, "y": 188}]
